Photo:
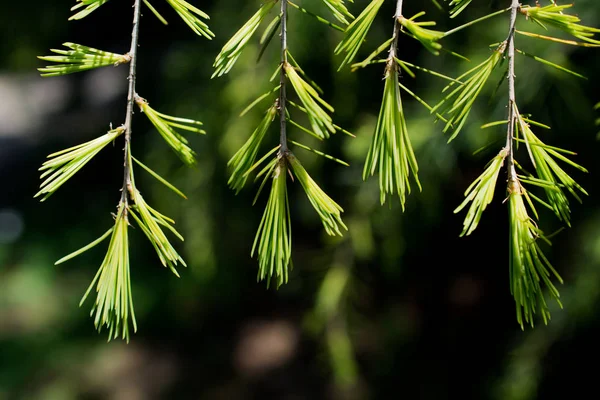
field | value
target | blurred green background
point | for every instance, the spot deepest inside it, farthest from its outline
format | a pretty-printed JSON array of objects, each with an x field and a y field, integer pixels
[{"x": 400, "y": 308}]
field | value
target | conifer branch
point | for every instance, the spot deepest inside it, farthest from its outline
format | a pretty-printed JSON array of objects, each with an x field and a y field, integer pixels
[
  {"x": 113, "y": 306},
  {"x": 283, "y": 81},
  {"x": 127, "y": 189},
  {"x": 510, "y": 54},
  {"x": 391, "y": 153},
  {"x": 273, "y": 238}
]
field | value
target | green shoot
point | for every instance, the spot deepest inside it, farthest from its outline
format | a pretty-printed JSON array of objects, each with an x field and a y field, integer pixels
[
  {"x": 481, "y": 193},
  {"x": 528, "y": 265},
  {"x": 551, "y": 64},
  {"x": 317, "y": 17},
  {"x": 150, "y": 222},
  {"x": 458, "y": 103},
  {"x": 428, "y": 38},
  {"x": 191, "y": 16},
  {"x": 339, "y": 10},
  {"x": 245, "y": 157},
  {"x": 66, "y": 163},
  {"x": 320, "y": 120},
  {"x": 458, "y": 7},
  {"x": 114, "y": 304},
  {"x": 553, "y": 15},
  {"x": 329, "y": 211},
  {"x": 233, "y": 48},
  {"x": 159, "y": 178},
  {"x": 273, "y": 241},
  {"x": 79, "y": 58},
  {"x": 320, "y": 153},
  {"x": 356, "y": 32},
  {"x": 165, "y": 124},
  {"x": 549, "y": 172},
  {"x": 391, "y": 152},
  {"x": 155, "y": 12},
  {"x": 90, "y": 7}
]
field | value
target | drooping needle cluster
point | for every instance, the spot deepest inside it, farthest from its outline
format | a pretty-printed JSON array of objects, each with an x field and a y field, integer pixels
[
  {"x": 273, "y": 242},
  {"x": 113, "y": 307}
]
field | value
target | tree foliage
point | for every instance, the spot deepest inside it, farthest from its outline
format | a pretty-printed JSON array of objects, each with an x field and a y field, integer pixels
[{"x": 534, "y": 174}]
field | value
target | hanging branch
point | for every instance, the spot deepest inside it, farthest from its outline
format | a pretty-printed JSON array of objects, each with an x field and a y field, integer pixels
[
  {"x": 272, "y": 243},
  {"x": 510, "y": 55},
  {"x": 391, "y": 155},
  {"x": 528, "y": 266},
  {"x": 113, "y": 306},
  {"x": 391, "y": 149}
]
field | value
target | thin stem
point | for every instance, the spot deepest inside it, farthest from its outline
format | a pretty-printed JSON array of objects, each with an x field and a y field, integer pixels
[
  {"x": 283, "y": 80},
  {"x": 512, "y": 173},
  {"x": 127, "y": 184},
  {"x": 394, "y": 45}
]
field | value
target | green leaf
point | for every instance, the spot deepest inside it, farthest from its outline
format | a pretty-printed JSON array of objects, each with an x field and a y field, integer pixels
[
  {"x": 329, "y": 211},
  {"x": 493, "y": 124},
  {"x": 529, "y": 267},
  {"x": 113, "y": 307},
  {"x": 192, "y": 17},
  {"x": 337, "y": 128},
  {"x": 547, "y": 169},
  {"x": 481, "y": 193},
  {"x": 311, "y": 82},
  {"x": 268, "y": 35},
  {"x": 259, "y": 99},
  {"x": 356, "y": 32},
  {"x": 85, "y": 248},
  {"x": 317, "y": 17},
  {"x": 320, "y": 153},
  {"x": 475, "y": 21},
  {"x": 405, "y": 64},
  {"x": 233, "y": 48},
  {"x": 320, "y": 121},
  {"x": 273, "y": 242},
  {"x": 421, "y": 101},
  {"x": 458, "y": 103},
  {"x": 391, "y": 153},
  {"x": 150, "y": 221},
  {"x": 165, "y": 124},
  {"x": 262, "y": 160},
  {"x": 156, "y": 13},
  {"x": 339, "y": 10},
  {"x": 551, "y": 64},
  {"x": 554, "y": 15},
  {"x": 159, "y": 178},
  {"x": 302, "y": 128},
  {"x": 370, "y": 59},
  {"x": 62, "y": 165},
  {"x": 557, "y": 40},
  {"x": 458, "y": 7},
  {"x": 428, "y": 38},
  {"x": 90, "y": 7},
  {"x": 80, "y": 58},
  {"x": 245, "y": 157}
]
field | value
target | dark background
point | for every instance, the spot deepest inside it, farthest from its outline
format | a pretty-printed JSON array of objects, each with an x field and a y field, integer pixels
[{"x": 422, "y": 314}]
